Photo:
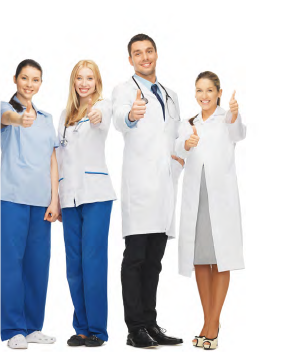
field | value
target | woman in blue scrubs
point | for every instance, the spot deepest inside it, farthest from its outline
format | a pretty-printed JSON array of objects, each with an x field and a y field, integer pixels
[
  {"x": 86, "y": 196},
  {"x": 29, "y": 203}
]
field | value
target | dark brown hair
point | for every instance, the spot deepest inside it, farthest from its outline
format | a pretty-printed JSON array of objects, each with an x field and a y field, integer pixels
[
  {"x": 216, "y": 81},
  {"x": 140, "y": 38},
  {"x": 28, "y": 62}
]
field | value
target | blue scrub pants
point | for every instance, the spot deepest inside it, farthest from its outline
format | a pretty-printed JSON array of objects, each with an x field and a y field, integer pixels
[
  {"x": 25, "y": 257},
  {"x": 86, "y": 229}
]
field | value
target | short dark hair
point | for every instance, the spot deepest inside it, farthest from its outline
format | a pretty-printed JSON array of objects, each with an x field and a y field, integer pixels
[{"x": 140, "y": 38}]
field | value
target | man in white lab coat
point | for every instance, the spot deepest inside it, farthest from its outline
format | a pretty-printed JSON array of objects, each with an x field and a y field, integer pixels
[{"x": 148, "y": 116}]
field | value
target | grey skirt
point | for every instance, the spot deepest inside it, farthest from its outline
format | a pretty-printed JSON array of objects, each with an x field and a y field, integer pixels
[{"x": 204, "y": 252}]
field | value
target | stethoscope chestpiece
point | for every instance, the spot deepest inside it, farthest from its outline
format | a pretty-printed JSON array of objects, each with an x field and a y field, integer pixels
[
  {"x": 63, "y": 142},
  {"x": 144, "y": 99}
]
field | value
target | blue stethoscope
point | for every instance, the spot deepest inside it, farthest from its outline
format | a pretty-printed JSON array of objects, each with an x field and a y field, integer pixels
[{"x": 167, "y": 98}]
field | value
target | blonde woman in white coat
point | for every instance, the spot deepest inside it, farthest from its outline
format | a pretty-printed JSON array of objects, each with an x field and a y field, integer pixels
[
  {"x": 86, "y": 197},
  {"x": 210, "y": 228}
]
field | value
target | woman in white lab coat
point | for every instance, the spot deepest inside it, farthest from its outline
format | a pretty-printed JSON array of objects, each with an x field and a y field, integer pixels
[
  {"x": 210, "y": 228},
  {"x": 86, "y": 195}
]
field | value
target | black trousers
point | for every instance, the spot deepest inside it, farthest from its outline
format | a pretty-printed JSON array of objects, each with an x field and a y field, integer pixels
[{"x": 140, "y": 271}]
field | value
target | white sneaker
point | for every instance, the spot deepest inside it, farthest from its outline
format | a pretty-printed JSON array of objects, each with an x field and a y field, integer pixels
[
  {"x": 38, "y": 337},
  {"x": 18, "y": 341}
]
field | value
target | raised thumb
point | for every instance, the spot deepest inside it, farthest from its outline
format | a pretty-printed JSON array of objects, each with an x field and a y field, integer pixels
[
  {"x": 138, "y": 96},
  {"x": 89, "y": 106},
  {"x": 29, "y": 105}
]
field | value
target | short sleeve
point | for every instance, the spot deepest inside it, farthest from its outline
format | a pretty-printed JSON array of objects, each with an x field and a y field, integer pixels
[
  {"x": 5, "y": 107},
  {"x": 55, "y": 137}
]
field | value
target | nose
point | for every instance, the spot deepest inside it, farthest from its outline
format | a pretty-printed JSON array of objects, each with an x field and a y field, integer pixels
[
  {"x": 84, "y": 82},
  {"x": 29, "y": 83},
  {"x": 145, "y": 57}
]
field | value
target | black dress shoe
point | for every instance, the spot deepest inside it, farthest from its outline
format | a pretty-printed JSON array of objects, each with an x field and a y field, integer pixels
[
  {"x": 93, "y": 341},
  {"x": 158, "y": 335},
  {"x": 76, "y": 340},
  {"x": 140, "y": 338}
]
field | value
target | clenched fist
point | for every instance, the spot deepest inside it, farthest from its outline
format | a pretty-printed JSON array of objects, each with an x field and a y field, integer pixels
[
  {"x": 28, "y": 117},
  {"x": 193, "y": 140},
  {"x": 138, "y": 108},
  {"x": 95, "y": 115},
  {"x": 233, "y": 107}
]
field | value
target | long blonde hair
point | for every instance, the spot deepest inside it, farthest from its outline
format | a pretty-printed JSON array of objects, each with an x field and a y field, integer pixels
[{"x": 73, "y": 111}]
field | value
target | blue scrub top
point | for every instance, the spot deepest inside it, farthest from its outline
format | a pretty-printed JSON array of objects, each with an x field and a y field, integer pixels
[{"x": 26, "y": 159}]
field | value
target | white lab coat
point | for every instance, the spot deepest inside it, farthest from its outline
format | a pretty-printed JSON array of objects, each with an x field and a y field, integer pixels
[
  {"x": 214, "y": 152},
  {"x": 149, "y": 174},
  {"x": 83, "y": 174}
]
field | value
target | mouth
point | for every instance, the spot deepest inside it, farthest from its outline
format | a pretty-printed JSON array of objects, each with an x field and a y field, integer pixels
[
  {"x": 84, "y": 90},
  {"x": 205, "y": 102},
  {"x": 146, "y": 64},
  {"x": 28, "y": 91}
]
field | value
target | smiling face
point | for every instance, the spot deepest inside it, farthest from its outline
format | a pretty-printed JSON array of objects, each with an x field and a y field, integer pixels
[
  {"x": 207, "y": 94},
  {"x": 143, "y": 58},
  {"x": 28, "y": 83},
  {"x": 84, "y": 83}
]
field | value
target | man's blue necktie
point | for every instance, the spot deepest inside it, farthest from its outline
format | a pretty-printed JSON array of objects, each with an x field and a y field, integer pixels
[{"x": 154, "y": 90}]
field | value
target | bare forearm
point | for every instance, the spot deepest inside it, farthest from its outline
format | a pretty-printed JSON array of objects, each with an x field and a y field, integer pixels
[
  {"x": 11, "y": 118},
  {"x": 54, "y": 178}
]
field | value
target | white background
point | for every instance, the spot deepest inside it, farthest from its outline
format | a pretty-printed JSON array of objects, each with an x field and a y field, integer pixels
[{"x": 244, "y": 43}]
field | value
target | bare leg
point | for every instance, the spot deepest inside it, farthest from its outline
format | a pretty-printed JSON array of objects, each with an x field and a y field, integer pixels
[
  {"x": 203, "y": 275},
  {"x": 220, "y": 284},
  {"x": 83, "y": 336}
]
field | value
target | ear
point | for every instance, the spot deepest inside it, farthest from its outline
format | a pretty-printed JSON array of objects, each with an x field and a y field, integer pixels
[
  {"x": 130, "y": 60},
  {"x": 14, "y": 79},
  {"x": 220, "y": 93}
]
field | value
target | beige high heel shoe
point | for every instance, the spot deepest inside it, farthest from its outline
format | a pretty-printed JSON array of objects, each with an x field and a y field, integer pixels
[
  {"x": 199, "y": 342},
  {"x": 213, "y": 342}
]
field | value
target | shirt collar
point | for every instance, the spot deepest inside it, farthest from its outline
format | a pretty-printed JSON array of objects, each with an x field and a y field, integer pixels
[
  {"x": 145, "y": 82},
  {"x": 218, "y": 111},
  {"x": 34, "y": 106}
]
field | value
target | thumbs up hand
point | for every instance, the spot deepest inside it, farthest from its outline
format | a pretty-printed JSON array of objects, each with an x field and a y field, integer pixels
[
  {"x": 233, "y": 107},
  {"x": 28, "y": 117},
  {"x": 193, "y": 140},
  {"x": 138, "y": 108},
  {"x": 94, "y": 115}
]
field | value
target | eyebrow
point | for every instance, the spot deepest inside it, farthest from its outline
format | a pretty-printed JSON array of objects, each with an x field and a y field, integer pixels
[
  {"x": 204, "y": 88},
  {"x": 139, "y": 50}
]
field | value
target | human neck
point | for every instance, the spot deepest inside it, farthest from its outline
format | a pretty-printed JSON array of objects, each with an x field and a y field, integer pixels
[
  {"x": 151, "y": 78},
  {"x": 207, "y": 113},
  {"x": 84, "y": 100},
  {"x": 22, "y": 100}
]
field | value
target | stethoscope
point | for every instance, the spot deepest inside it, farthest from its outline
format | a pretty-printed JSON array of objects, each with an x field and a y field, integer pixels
[
  {"x": 64, "y": 140},
  {"x": 167, "y": 98}
]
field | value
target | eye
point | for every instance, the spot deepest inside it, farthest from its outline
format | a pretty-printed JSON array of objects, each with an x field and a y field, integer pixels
[
  {"x": 36, "y": 80},
  {"x": 78, "y": 78},
  {"x": 210, "y": 90},
  {"x": 90, "y": 78},
  {"x": 23, "y": 77}
]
